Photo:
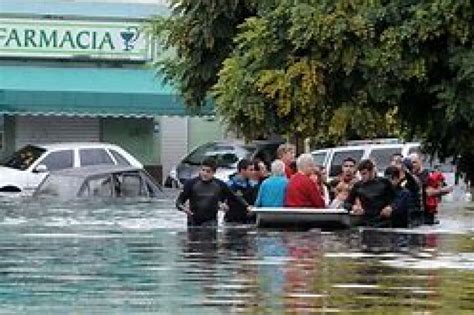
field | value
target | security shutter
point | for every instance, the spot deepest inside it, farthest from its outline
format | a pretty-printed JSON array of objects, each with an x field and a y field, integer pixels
[
  {"x": 174, "y": 141},
  {"x": 50, "y": 129}
]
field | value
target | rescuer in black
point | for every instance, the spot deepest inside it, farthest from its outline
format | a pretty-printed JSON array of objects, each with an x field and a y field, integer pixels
[
  {"x": 205, "y": 193},
  {"x": 371, "y": 197}
]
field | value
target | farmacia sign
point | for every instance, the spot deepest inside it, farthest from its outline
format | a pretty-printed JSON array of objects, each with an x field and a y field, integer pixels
[{"x": 69, "y": 38}]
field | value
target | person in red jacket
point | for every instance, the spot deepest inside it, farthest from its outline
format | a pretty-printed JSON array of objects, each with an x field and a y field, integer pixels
[{"x": 302, "y": 192}]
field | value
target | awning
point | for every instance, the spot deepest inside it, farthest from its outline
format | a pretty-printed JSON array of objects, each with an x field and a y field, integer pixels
[{"x": 96, "y": 92}]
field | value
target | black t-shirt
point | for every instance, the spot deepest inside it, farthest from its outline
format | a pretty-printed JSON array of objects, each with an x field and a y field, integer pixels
[
  {"x": 423, "y": 178},
  {"x": 204, "y": 198},
  {"x": 374, "y": 195}
]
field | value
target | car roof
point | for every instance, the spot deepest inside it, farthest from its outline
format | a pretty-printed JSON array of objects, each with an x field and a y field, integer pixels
[
  {"x": 71, "y": 145},
  {"x": 94, "y": 170}
]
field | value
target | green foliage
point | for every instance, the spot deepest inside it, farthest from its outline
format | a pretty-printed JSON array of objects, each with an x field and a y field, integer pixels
[
  {"x": 330, "y": 69},
  {"x": 199, "y": 35},
  {"x": 337, "y": 69}
]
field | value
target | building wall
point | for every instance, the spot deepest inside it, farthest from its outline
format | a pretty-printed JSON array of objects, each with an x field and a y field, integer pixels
[
  {"x": 202, "y": 130},
  {"x": 8, "y": 136},
  {"x": 134, "y": 135}
]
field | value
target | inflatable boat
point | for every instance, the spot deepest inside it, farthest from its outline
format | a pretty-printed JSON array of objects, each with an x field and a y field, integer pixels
[{"x": 305, "y": 217}]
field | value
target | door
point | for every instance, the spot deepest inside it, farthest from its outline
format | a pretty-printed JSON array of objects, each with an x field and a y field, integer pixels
[
  {"x": 56, "y": 160},
  {"x": 174, "y": 141}
]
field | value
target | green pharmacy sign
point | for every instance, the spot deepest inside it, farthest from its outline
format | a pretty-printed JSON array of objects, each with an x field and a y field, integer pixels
[{"x": 69, "y": 38}]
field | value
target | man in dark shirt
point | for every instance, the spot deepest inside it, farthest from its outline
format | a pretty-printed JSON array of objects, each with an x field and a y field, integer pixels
[
  {"x": 204, "y": 194},
  {"x": 371, "y": 197},
  {"x": 241, "y": 185},
  {"x": 411, "y": 183},
  {"x": 400, "y": 207}
]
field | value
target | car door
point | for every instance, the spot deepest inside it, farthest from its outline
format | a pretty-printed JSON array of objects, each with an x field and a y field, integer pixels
[{"x": 52, "y": 161}]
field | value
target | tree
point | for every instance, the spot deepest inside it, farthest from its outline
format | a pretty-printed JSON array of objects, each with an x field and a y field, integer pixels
[
  {"x": 200, "y": 36},
  {"x": 329, "y": 69}
]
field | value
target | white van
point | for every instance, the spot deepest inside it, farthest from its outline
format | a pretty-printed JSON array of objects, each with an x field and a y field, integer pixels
[{"x": 381, "y": 153}]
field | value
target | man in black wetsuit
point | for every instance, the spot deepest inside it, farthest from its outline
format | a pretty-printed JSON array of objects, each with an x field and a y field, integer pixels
[
  {"x": 371, "y": 197},
  {"x": 204, "y": 194}
]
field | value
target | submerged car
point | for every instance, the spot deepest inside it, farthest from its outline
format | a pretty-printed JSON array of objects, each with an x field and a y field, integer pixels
[
  {"x": 98, "y": 181},
  {"x": 27, "y": 167},
  {"x": 227, "y": 155}
]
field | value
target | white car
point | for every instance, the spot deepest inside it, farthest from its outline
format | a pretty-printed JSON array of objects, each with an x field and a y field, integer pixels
[{"x": 27, "y": 167}]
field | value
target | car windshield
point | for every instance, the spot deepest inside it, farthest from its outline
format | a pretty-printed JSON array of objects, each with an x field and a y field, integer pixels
[
  {"x": 23, "y": 158},
  {"x": 59, "y": 186},
  {"x": 225, "y": 155}
]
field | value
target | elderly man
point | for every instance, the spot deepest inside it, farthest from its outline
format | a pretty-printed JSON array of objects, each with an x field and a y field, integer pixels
[
  {"x": 302, "y": 192},
  {"x": 273, "y": 189},
  {"x": 428, "y": 191}
]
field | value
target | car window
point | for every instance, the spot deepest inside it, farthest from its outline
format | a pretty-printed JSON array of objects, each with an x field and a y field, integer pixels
[
  {"x": 226, "y": 155},
  {"x": 23, "y": 158},
  {"x": 94, "y": 157},
  {"x": 339, "y": 156},
  {"x": 320, "y": 158},
  {"x": 59, "y": 186},
  {"x": 383, "y": 156},
  {"x": 119, "y": 158},
  {"x": 131, "y": 185},
  {"x": 100, "y": 186},
  {"x": 58, "y": 160},
  {"x": 414, "y": 149}
]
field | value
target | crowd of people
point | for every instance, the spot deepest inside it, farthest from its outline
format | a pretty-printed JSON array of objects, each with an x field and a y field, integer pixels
[{"x": 407, "y": 195}]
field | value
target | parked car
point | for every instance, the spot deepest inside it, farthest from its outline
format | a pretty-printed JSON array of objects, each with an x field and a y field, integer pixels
[
  {"x": 27, "y": 167},
  {"x": 98, "y": 181},
  {"x": 227, "y": 155}
]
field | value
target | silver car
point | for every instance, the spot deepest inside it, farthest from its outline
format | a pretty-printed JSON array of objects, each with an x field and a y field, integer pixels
[
  {"x": 99, "y": 181},
  {"x": 227, "y": 155}
]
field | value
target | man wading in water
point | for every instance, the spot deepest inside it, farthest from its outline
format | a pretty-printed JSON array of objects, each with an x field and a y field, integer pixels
[{"x": 204, "y": 194}]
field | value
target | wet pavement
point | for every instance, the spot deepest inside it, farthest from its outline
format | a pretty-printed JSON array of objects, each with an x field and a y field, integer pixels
[{"x": 138, "y": 258}]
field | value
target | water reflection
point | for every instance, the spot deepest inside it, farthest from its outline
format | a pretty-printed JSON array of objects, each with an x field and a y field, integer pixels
[{"x": 138, "y": 258}]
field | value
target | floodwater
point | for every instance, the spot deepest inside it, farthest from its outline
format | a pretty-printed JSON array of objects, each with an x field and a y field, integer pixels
[{"x": 138, "y": 258}]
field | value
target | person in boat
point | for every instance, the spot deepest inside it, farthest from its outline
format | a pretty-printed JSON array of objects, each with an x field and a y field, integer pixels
[
  {"x": 399, "y": 211},
  {"x": 260, "y": 171},
  {"x": 286, "y": 152},
  {"x": 371, "y": 197},
  {"x": 341, "y": 194},
  {"x": 320, "y": 179},
  {"x": 347, "y": 176},
  {"x": 302, "y": 192},
  {"x": 242, "y": 184},
  {"x": 429, "y": 192},
  {"x": 413, "y": 185},
  {"x": 273, "y": 189},
  {"x": 202, "y": 195}
]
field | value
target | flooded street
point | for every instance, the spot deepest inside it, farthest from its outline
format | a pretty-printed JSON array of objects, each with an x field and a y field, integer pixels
[{"x": 139, "y": 258}]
